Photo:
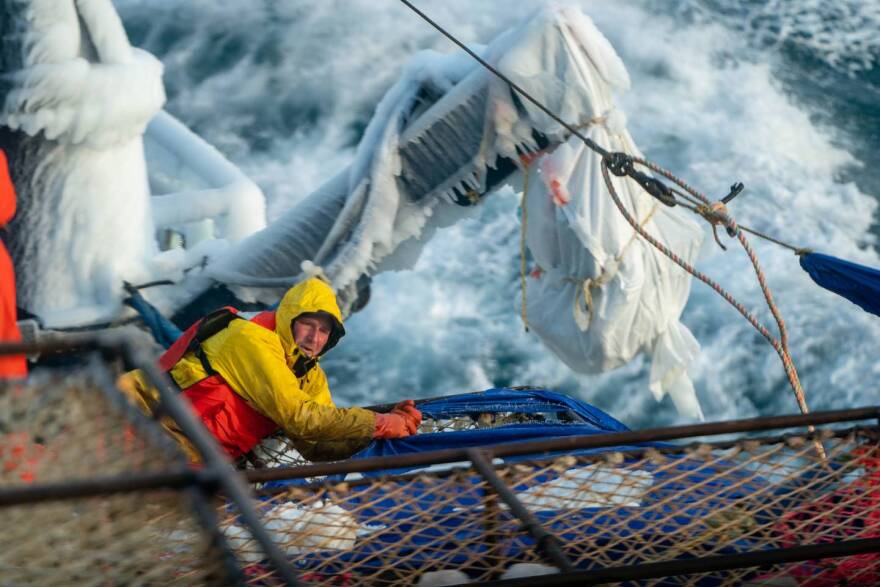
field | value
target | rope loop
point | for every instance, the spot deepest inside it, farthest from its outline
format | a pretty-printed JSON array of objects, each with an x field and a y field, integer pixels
[{"x": 584, "y": 308}]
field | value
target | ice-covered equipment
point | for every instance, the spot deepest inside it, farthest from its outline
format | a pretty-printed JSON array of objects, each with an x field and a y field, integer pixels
[
  {"x": 449, "y": 131},
  {"x": 75, "y": 101}
]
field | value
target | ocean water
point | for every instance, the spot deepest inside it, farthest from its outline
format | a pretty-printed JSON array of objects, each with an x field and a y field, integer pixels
[{"x": 781, "y": 95}]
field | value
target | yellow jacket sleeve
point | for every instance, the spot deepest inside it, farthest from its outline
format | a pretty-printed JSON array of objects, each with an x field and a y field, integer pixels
[
  {"x": 251, "y": 360},
  {"x": 329, "y": 450},
  {"x": 135, "y": 387}
]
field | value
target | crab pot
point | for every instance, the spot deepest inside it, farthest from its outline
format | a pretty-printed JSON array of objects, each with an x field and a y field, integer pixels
[
  {"x": 92, "y": 492},
  {"x": 761, "y": 505}
]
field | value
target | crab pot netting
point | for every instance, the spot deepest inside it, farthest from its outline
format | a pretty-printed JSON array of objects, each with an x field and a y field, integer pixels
[
  {"x": 609, "y": 509},
  {"x": 60, "y": 431}
]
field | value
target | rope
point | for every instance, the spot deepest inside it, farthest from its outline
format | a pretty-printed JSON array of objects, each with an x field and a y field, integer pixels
[
  {"x": 573, "y": 130},
  {"x": 717, "y": 213},
  {"x": 660, "y": 191},
  {"x": 522, "y": 247},
  {"x": 797, "y": 250},
  {"x": 701, "y": 209},
  {"x": 526, "y": 160},
  {"x": 585, "y": 291}
]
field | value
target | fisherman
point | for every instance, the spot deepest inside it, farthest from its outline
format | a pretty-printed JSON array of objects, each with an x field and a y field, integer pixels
[
  {"x": 247, "y": 379},
  {"x": 11, "y": 366}
]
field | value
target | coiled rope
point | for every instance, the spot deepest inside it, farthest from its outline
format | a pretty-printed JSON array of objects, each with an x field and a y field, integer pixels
[{"x": 715, "y": 213}]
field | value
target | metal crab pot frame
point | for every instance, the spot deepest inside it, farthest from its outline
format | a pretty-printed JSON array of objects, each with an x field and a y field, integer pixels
[
  {"x": 202, "y": 486},
  {"x": 815, "y": 480},
  {"x": 615, "y": 507}
]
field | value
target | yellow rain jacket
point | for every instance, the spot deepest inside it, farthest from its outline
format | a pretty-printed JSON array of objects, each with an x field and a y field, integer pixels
[{"x": 258, "y": 365}]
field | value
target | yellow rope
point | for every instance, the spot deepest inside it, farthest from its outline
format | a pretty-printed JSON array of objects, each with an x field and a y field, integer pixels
[
  {"x": 524, "y": 224},
  {"x": 587, "y": 285},
  {"x": 522, "y": 247}
]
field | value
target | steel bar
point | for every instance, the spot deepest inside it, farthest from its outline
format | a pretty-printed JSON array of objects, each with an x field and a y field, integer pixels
[
  {"x": 629, "y": 438},
  {"x": 547, "y": 544},
  {"x": 145, "y": 426},
  {"x": 95, "y": 487},
  {"x": 55, "y": 344},
  {"x": 206, "y": 514},
  {"x": 674, "y": 568},
  {"x": 870, "y": 432},
  {"x": 217, "y": 474},
  {"x": 385, "y": 408}
]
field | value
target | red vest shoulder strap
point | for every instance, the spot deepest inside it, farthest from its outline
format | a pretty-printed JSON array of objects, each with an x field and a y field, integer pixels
[
  {"x": 206, "y": 328},
  {"x": 202, "y": 330}
]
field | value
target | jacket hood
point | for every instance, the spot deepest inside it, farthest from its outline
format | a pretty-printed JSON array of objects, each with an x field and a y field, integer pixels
[{"x": 312, "y": 296}]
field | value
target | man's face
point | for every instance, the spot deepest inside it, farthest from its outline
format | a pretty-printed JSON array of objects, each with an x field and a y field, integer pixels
[{"x": 311, "y": 333}]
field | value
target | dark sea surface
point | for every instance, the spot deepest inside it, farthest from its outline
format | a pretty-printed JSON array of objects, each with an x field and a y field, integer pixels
[{"x": 781, "y": 95}]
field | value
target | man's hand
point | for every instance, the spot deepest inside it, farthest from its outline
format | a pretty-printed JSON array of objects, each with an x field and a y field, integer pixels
[{"x": 400, "y": 422}]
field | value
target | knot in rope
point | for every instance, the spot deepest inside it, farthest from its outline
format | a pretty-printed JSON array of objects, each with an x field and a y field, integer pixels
[
  {"x": 583, "y": 315},
  {"x": 716, "y": 214},
  {"x": 584, "y": 307}
]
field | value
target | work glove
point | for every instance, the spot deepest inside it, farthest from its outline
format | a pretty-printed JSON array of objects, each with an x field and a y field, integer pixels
[{"x": 400, "y": 422}]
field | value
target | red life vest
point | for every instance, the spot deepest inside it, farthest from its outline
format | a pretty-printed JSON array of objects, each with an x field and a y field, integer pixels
[{"x": 236, "y": 425}]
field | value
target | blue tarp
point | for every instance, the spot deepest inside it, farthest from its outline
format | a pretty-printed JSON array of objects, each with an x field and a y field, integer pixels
[
  {"x": 427, "y": 522},
  {"x": 857, "y": 283},
  {"x": 577, "y": 419},
  {"x": 522, "y": 401},
  {"x": 584, "y": 419}
]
